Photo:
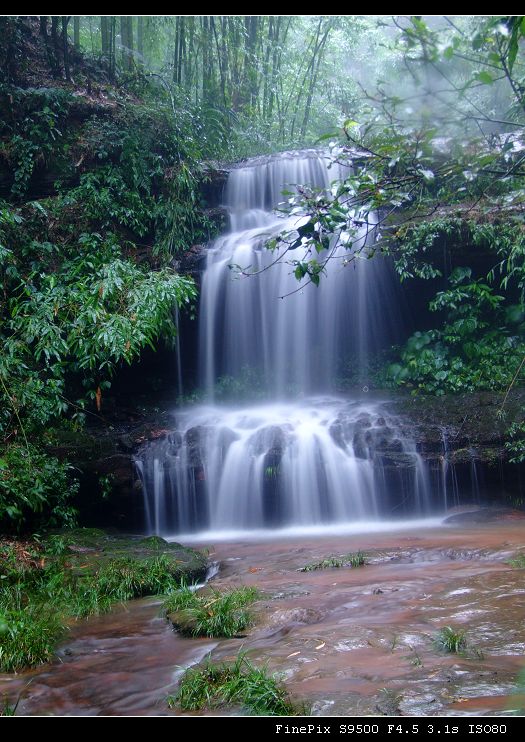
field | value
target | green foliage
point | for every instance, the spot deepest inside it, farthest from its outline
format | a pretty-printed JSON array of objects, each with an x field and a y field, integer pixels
[
  {"x": 30, "y": 132},
  {"x": 215, "y": 613},
  {"x": 354, "y": 559},
  {"x": 241, "y": 684},
  {"x": 28, "y": 636},
  {"x": 147, "y": 177},
  {"x": 451, "y": 640},
  {"x": 480, "y": 345},
  {"x": 109, "y": 200},
  {"x": 81, "y": 310},
  {"x": 518, "y": 561},
  {"x": 6, "y": 709},
  {"x": 515, "y": 446},
  {"x": 35, "y": 489}
]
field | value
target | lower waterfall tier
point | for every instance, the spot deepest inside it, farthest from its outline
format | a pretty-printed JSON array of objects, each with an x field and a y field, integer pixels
[{"x": 316, "y": 461}]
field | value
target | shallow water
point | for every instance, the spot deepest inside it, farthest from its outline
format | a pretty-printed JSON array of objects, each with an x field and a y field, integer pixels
[{"x": 347, "y": 641}]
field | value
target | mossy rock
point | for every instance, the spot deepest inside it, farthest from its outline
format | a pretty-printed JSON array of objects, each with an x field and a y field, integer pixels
[{"x": 87, "y": 548}]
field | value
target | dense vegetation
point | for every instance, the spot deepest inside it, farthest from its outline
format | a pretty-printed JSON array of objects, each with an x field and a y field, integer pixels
[{"x": 46, "y": 583}]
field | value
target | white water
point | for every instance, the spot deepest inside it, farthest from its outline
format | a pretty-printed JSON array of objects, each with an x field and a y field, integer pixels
[
  {"x": 298, "y": 337},
  {"x": 318, "y": 460}
]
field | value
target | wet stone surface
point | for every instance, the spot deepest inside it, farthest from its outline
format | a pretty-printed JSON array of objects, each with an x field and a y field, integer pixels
[{"x": 349, "y": 641}]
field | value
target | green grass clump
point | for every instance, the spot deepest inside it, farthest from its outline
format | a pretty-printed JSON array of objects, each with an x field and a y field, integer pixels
[
  {"x": 355, "y": 559},
  {"x": 214, "y": 613},
  {"x": 518, "y": 561},
  {"x": 6, "y": 709},
  {"x": 241, "y": 684},
  {"x": 28, "y": 636},
  {"x": 451, "y": 640}
]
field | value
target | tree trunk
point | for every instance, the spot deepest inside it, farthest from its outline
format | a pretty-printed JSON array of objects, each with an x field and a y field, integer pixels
[
  {"x": 130, "y": 41},
  {"x": 76, "y": 32},
  {"x": 126, "y": 41},
  {"x": 56, "y": 45},
  {"x": 65, "y": 46},
  {"x": 49, "y": 53},
  {"x": 314, "y": 75},
  {"x": 104, "y": 33},
  {"x": 176, "y": 51},
  {"x": 112, "y": 43},
  {"x": 140, "y": 38}
]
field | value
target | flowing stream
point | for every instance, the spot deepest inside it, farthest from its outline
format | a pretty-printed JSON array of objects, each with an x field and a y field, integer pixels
[
  {"x": 304, "y": 456},
  {"x": 347, "y": 641}
]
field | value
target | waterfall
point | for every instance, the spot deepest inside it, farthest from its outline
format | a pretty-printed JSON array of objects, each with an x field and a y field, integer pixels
[
  {"x": 306, "y": 456},
  {"x": 297, "y": 338}
]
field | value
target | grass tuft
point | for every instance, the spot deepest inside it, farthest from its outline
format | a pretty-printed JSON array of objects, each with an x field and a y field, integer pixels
[
  {"x": 451, "y": 640},
  {"x": 241, "y": 684},
  {"x": 354, "y": 559},
  {"x": 213, "y": 613},
  {"x": 518, "y": 561},
  {"x": 28, "y": 636}
]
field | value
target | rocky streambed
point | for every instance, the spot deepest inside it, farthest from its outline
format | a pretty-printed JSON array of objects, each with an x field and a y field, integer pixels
[{"x": 352, "y": 641}]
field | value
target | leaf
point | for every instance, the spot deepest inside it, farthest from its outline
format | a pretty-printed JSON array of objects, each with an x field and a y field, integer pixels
[
  {"x": 459, "y": 274},
  {"x": 320, "y": 646},
  {"x": 484, "y": 77},
  {"x": 294, "y": 654},
  {"x": 98, "y": 398},
  {"x": 324, "y": 137},
  {"x": 428, "y": 175}
]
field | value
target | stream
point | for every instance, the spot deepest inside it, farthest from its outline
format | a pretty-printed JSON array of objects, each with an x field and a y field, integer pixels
[{"x": 347, "y": 641}]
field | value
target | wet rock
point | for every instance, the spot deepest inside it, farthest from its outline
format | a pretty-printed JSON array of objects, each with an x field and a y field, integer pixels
[
  {"x": 192, "y": 440},
  {"x": 294, "y": 616},
  {"x": 272, "y": 439},
  {"x": 289, "y": 594},
  {"x": 485, "y": 515},
  {"x": 95, "y": 546},
  {"x": 388, "y": 705},
  {"x": 336, "y": 432},
  {"x": 175, "y": 438}
]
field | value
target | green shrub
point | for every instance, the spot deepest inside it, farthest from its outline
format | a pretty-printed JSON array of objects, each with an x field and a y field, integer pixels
[
  {"x": 479, "y": 346},
  {"x": 35, "y": 489}
]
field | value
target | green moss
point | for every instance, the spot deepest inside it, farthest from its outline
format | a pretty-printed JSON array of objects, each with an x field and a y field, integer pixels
[{"x": 154, "y": 542}]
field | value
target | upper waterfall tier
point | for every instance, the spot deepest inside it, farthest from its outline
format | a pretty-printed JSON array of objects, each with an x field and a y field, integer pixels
[{"x": 296, "y": 338}]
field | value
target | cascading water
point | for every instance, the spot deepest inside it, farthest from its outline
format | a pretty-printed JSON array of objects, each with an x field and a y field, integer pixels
[
  {"x": 319, "y": 459},
  {"x": 296, "y": 339}
]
